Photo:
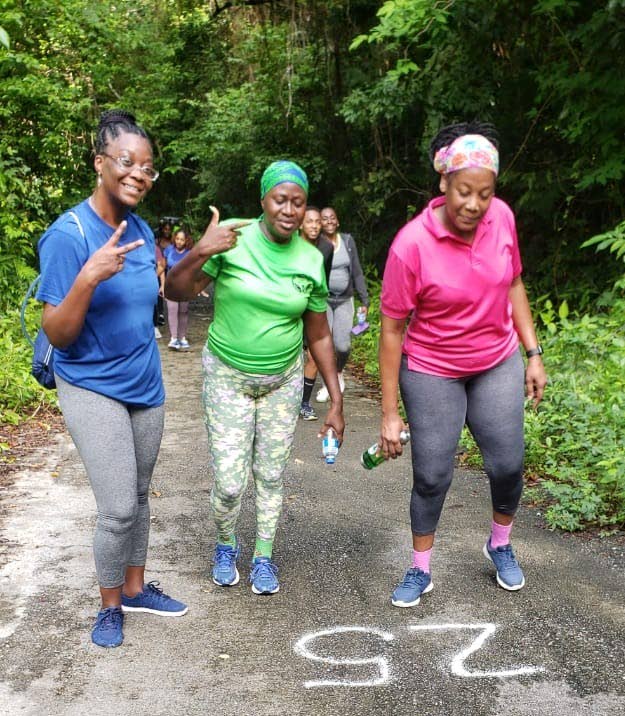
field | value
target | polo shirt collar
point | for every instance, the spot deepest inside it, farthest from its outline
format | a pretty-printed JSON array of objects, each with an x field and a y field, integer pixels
[{"x": 436, "y": 227}]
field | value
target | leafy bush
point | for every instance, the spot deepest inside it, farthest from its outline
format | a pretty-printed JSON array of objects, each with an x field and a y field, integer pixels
[
  {"x": 19, "y": 391},
  {"x": 365, "y": 346},
  {"x": 577, "y": 437}
]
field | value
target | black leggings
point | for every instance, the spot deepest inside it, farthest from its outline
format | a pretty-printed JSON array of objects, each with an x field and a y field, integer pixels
[{"x": 491, "y": 404}]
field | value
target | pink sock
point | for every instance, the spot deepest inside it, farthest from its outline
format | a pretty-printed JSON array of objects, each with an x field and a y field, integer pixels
[
  {"x": 421, "y": 560},
  {"x": 499, "y": 534}
]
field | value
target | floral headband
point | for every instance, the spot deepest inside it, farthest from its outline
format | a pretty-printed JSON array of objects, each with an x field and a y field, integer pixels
[{"x": 467, "y": 152}]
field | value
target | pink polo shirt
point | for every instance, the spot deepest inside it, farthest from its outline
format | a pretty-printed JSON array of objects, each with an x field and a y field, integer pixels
[{"x": 458, "y": 293}]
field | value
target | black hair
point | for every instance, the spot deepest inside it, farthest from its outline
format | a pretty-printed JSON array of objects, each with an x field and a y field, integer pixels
[
  {"x": 112, "y": 123},
  {"x": 448, "y": 134},
  {"x": 310, "y": 207}
]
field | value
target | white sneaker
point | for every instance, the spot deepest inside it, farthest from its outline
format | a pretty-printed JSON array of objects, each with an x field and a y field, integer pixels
[
  {"x": 157, "y": 333},
  {"x": 322, "y": 395},
  {"x": 341, "y": 382},
  {"x": 174, "y": 344},
  {"x": 183, "y": 344}
]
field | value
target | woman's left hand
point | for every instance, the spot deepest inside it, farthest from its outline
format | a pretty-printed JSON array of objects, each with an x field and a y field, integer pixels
[
  {"x": 334, "y": 419},
  {"x": 535, "y": 380}
]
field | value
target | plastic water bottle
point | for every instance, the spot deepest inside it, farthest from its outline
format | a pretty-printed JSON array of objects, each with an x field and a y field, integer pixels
[
  {"x": 361, "y": 323},
  {"x": 330, "y": 446},
  {"x": 373, "y": 456}
]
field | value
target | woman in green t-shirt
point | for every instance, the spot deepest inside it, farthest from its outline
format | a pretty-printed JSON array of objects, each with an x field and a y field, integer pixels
[{"x": 268, "y": 283}]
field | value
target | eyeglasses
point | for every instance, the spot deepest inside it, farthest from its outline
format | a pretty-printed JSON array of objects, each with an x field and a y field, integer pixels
[{"x": 125, "y": 163}]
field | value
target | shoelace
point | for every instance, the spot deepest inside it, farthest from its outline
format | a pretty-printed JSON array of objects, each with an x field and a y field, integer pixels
[
  {"x": 509, "y": 560},
  {"x": 110, "y": 618},
  {"x": 414, "y": 577},
  {"x": 262, "y": 568},
  {"x": 153, "y": 587},
  {"x": 224, "y": 558},
  {"x": 154, "y": 592}
]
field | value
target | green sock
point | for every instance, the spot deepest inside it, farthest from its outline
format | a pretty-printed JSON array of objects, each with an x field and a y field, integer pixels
[
  {"x": 230, "y": 540},
  {"x": 264, "y": 547}
]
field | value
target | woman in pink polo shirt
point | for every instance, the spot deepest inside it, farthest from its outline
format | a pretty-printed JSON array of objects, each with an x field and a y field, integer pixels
[{"x": 454, "y": 274}]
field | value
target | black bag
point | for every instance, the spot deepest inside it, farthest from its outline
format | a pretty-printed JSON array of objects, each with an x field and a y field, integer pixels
[{"x": 42, "y": 366}]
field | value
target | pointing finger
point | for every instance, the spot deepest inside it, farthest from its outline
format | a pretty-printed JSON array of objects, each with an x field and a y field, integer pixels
[{"x": 239, "y": 225}]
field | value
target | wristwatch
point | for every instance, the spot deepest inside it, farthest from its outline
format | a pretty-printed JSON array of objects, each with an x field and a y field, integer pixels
[{"x": 538, "y": 351}]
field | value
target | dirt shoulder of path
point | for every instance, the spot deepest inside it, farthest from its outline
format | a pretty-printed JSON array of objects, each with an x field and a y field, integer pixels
[{"x": 22, "y": 444}]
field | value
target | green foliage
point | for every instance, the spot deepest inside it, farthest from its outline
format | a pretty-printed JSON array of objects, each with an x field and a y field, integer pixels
[
  {"x": 576, "y": 438},
  {"x": 613, "y": 241},
  {"x": 365, "y": 346},
  {"x": 19, "y": 391}
]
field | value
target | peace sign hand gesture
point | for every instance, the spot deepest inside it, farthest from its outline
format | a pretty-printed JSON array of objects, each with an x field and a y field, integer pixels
[{"x": 109, "y": 259}]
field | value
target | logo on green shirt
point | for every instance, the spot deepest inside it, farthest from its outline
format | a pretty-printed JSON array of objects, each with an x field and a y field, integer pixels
[{"x": 302, "y": 284}]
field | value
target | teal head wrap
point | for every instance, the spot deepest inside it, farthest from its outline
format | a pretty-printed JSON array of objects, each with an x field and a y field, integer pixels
[{"x": 282, "y": 171}]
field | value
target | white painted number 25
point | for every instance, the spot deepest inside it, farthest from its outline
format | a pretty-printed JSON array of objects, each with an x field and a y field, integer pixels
[{"x": 382, "y": 665}]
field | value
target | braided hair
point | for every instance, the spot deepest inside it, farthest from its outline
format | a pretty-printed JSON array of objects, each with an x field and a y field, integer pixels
[
  {"x": 448, "y": 134},
  {"x": 112, "y": 123}
]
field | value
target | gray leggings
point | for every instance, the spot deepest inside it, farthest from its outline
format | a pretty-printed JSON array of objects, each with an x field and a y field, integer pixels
[
  {"x": 491, "y": 404},
  {"x": 340, "y": 319},
  {"x": 118, "y": 445}
]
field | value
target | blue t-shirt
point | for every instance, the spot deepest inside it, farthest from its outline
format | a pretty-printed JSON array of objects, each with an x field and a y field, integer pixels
[
  {"x": 172, "y": 255},
  {"x": 116, "y": 353}
]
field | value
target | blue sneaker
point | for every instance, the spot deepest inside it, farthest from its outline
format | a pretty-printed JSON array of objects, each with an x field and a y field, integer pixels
[
  {"x": 264, "y": 576},
  {"x": 415, "y": 583},
  {"x": 509, "y": 573},
  {"x": 225, "y": 572},
  {"x": 107, "y": 630},
  {"x": 153, "y": 600},
  {"x": 307, "y": 412}
]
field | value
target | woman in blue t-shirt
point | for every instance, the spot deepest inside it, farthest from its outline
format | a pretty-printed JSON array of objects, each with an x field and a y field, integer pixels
[
  {"x": 99, "y": 287},
  {"x": 178, "y": 313}
]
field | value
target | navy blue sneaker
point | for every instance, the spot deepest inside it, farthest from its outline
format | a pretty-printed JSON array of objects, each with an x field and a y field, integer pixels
[
  {"x": 307, "y": 412},
  {"x": 225, "y": 572},
  {"x": 154, "y": 601},
  {"x": 107, "y": 630},
  {"x": 264, "y": 576},
  {"x": 408, "y": 592},
  {"x": 509, "y": 573}
]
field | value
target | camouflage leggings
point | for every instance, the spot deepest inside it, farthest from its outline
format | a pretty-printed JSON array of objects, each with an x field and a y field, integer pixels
[{"x": 251, "y": 422}]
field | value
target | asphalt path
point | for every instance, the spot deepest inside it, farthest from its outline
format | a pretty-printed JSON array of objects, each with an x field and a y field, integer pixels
[{"x": 329, "y": 643}]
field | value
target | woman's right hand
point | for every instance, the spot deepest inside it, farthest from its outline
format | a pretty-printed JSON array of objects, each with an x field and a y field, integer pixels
[
  {"x": 392, "y": 425},
  {"x": 109, "y": 259},
  {"x": 217, "y": 239}
]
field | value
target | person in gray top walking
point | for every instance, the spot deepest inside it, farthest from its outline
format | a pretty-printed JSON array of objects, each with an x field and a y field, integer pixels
[{"x": 346, "y": 277}]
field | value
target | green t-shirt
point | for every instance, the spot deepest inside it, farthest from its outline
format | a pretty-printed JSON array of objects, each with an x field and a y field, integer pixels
[{"x": 261, "y": 291}]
